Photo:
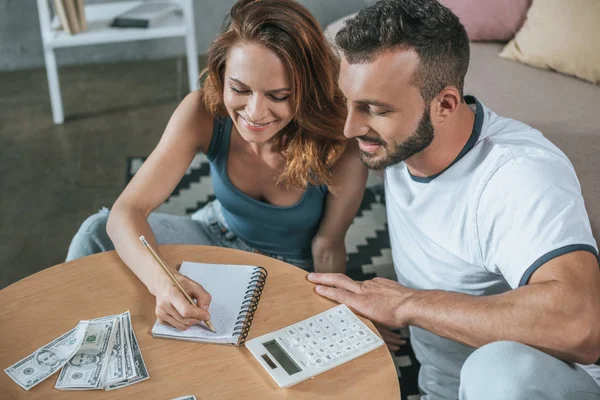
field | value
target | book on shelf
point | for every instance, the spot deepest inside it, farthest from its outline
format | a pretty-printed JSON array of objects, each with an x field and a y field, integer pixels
[
  {"x": 70, "y": 15},
  {"x": 81, "y": 14},
  {"x": 145, "y": 15}
]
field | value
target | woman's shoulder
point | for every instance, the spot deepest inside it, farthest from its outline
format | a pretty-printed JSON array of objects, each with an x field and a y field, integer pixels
[
  {"x": 192, "y": 117},
  {"x": 349, "y": 168}
]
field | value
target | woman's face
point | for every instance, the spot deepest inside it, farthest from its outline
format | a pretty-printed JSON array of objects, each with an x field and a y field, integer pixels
[{"x": 257, "y": 92}]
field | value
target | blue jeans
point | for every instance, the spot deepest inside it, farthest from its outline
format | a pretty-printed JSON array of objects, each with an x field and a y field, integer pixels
[
  {"x": 205, "y": 227},
  {"x": 514, "y": 371}
]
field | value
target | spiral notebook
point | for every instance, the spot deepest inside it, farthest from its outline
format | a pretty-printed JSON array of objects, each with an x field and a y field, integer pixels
[{"x": 235, "y": 291}]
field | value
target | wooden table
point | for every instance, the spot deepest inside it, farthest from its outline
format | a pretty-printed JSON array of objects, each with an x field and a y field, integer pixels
[{"x": 45, "y": 305}]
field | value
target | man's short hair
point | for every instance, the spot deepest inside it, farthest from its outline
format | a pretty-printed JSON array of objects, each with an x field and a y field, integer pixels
[{"x": 425, "y": 26}]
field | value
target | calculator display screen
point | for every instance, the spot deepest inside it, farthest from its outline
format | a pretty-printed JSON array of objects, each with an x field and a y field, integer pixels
[{"x": 282, "y": 357}]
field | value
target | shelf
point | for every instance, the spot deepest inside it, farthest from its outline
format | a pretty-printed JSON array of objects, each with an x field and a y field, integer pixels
[{"x": 99, "y": 17}]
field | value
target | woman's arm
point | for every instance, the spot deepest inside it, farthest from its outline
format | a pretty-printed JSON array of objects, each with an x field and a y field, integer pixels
[
  {"x": 188, "y": 131},
  {"x": 349, "y": 177}
]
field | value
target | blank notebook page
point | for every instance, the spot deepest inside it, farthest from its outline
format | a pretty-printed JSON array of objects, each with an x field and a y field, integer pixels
[{"x": 227, "y": 284}]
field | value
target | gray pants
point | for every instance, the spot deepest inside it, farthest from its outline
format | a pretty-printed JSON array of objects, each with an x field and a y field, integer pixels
[
  {"x": 514, "y": 371},
  {"x": 206, "y": 227}
]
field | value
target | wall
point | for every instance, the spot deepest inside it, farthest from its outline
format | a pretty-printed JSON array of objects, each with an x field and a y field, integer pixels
[{"x": 21, "y": 44}]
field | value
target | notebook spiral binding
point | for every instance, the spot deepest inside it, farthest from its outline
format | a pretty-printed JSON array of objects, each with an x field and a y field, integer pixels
[{"x": 250, "y": 304}]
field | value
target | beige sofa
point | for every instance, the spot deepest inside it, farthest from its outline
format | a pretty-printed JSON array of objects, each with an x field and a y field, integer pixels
[{"x": 565, "y": 109}]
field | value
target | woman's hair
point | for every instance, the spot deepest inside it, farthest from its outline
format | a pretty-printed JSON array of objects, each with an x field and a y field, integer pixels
[{"x": 313, "y": 140}]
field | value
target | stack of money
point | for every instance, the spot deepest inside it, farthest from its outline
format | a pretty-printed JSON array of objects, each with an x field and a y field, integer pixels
[{"x": 102, "y": 353}]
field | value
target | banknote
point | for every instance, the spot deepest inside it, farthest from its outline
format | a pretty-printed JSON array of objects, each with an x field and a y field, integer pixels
[
  {"x": 86, "y": 369},
  {"x": 129, "y": 361},
  {"x": 48, "y": 359},
  {"x": 141, "y": 372},
  {"x": 102, "y": 353},
  {"x": 115, "y": 371}
]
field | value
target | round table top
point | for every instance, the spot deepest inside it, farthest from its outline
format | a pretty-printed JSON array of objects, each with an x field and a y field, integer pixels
[{"x": 41, "y": 307}]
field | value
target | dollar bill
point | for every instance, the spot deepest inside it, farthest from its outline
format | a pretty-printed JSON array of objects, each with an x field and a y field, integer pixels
[
  {"x": 87, "y": 368},
  {"x": 48, "y": 359},
  {"x": 115, "y": 371},
  {"x": 129, "y": 361},
  {"x": 141, "y": 371}
]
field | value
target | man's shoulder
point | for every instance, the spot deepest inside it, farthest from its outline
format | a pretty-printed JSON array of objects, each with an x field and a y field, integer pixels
[{"x": 515, "y": 150}]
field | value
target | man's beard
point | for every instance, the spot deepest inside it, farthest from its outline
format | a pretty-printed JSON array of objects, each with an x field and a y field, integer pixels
[{"x": 418, "y": 141}]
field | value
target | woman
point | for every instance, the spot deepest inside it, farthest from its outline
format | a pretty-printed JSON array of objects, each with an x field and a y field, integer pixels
[{"x": 270, "y": 119}]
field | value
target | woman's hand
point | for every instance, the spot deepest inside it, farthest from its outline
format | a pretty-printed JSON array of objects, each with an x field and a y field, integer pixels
[
  {"x": 392, "y": 338},
  {"x": 172, "y": 307}
]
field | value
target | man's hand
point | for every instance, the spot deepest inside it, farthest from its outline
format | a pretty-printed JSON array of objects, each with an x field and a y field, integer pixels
[{"x": 380, "y": 300}]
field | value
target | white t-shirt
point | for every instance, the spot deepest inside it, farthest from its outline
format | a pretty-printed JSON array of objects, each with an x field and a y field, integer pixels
[{"x": 509, "y": 203}]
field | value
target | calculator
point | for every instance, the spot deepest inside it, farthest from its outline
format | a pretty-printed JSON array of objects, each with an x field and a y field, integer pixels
[{"x": 310, "y": 347}]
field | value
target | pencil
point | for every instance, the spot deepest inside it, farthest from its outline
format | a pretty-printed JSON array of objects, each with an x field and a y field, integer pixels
[{"x": 167, "y": 270}]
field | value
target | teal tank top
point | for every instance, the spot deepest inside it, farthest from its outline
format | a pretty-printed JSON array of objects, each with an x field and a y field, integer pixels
[{"x": 286, "y": 231}]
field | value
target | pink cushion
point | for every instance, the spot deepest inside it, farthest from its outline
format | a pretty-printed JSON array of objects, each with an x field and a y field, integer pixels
[{"x": 490, "y": 20}]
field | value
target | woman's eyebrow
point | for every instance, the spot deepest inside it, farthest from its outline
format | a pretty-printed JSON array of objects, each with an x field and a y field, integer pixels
[{"x": 286, "y": 89}]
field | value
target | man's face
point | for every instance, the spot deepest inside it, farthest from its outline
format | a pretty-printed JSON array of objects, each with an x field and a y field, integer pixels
[
  {"x": 386, "y": 112},
  {"x": 47, "y": 358},
  {"x": 82, "y": 359}
]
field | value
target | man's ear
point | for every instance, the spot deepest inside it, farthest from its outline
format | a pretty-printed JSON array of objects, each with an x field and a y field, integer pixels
[{"x": 445, "y": 103}]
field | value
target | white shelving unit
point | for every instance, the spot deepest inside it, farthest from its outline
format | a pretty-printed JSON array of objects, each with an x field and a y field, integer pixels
[{"x": 99, "y": 17}]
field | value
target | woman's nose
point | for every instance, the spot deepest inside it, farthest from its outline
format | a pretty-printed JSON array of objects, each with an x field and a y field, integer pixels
[{"x": 256, "y": 109}]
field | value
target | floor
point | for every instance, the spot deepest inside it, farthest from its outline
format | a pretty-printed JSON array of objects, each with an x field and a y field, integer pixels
[{"x": 53, "y": 176}]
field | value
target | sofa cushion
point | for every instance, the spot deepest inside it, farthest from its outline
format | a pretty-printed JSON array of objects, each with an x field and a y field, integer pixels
[
  {"x": 490, "y": 20},
  {"x": 560, "y": 35},
  {"x": 484, "y": 20}
]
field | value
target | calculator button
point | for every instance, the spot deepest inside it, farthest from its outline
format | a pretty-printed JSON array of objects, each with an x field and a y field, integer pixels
[
  {"x": 321, "y": 350},
  {"x": 349, "y": 348},
  {"x": 306, "y": 347},
  {"x": 361, "y": 333},
  {"x": 325, "y": 338},
  {"x": 369, "y": 339},
  {"x": 301, "y": 328},
  {"x": 322, "y": 320},
  {"x": 359, "y": 344},
  {"x": 334, "y": 335},
  {"x": 311, "y": 325},
  {"x": 320, "y": 362},
  {"x": 339, "y": 353},
  {"x": 345, "y": 331},
  {"x": 313, "y": 342},
  {"x": 312, "y": 354},
  {"x": 318, "y": 331},
  {"x": 341, "y": 342},
  {"x": 355, "y": 326},
  {"x": 340, "y": 312},
  {"x": 331, "y": 346},
  {"x": 352, "y": 338},
  {"x": 328, "y": 328},
  {"x": 291, "y": 332},
  {"x": 328, "y": 358},
  {"x": 296, "y": 341}
]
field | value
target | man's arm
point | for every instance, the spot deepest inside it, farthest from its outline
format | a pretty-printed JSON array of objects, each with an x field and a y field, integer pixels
[{"x": 558, "y": 312}]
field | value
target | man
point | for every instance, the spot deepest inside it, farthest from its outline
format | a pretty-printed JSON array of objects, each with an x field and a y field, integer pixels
[
  {"x": 497, "y": 267},
  {"x": 47, "y": 358}
]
